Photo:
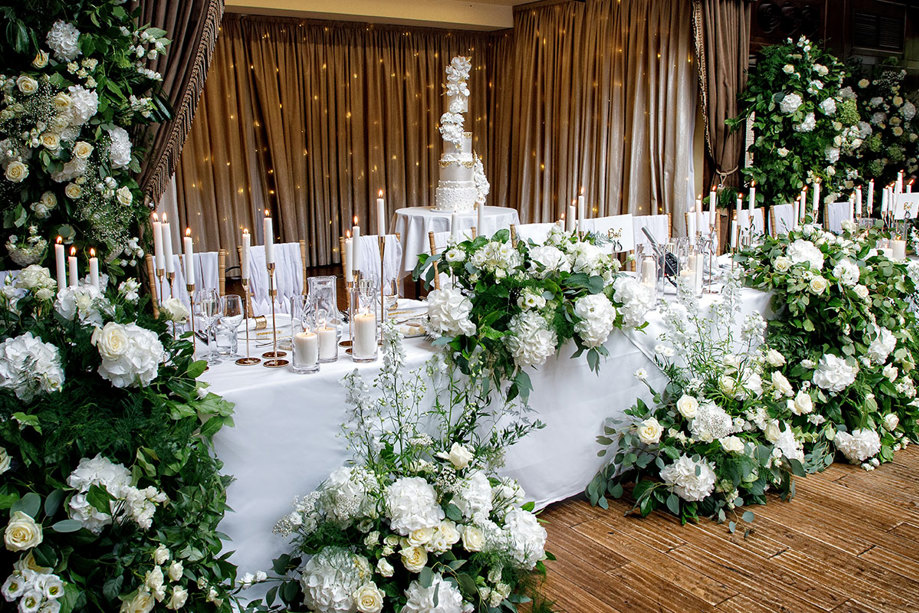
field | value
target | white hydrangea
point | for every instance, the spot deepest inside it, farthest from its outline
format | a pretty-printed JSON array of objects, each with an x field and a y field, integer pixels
[
  {"x": 132, "y": 503},
  {"x": 130, "y": 354},
  {"x": 682, "y": 477},
  {"x": 828, "y": 106},
  {"x": 808, "y": 124},
  {"x": 63, "y": 40},
  {"x": 120, "y": 147},
  {"x": 449, "y": 313},
  {"x": 473, "y": 495},
  {"x": 847, "y": 272},
  {"x": 530, "y": 341},
  {"x": 908, "y": 110},
  {"x": 37, "y": 279},
  {"x": 411, "y": 504},
  {"x": 30, "y": 366},
  {"x": 586, "y": 258},
  {"x": 636, "y": 300},
  {"x": 331, "y": 577},
  {"x": 548, "y": 260},
  {"x": 597, "y": 319},
  {"x": 834, "y": 374},
  {"x": 84, "y": 104},
  {"x": 526, "y": 538},
  {"x": 882, "y": 345},
  {"x": 440, "y": 597},
  {"x": 711, "y": 422},
  {"x": 858, "y": 446},
  {"x": 790, "y": 103},
  {"x": 803, "y": 251}
]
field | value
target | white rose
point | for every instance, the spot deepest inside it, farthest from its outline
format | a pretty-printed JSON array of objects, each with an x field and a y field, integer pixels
[
  {"x": 782, "y": 264},
  {"x": 385, "y": 568},
  {"x": 817, "y": 285},
  {"x": 772, "y": 432},
  {"x": 82, "y": 150},
  {"x": 61, "y": 102},
  {"x": 51, "y": 141},
  {"x": 161, "y": 555},
  {"x": 174, "y": 310},
  {"x": 41, "y": 59},
  {"x": 111, "y": 340},
  {"x": 16, "y": 172},
  {"x": 802, "y": 404},
  {"x": 27, "y": 85},
  {"x": 22, "y": 532},
  {"x": 421, "y": 536},
  {"x": 649, "y": 432},
  {"x": 459, "y": 456},
  {"x": 891, "y": 372},
  {"x": 732, "y": 444},
  {"x": 788, "y": 69},
  {"x": 124, "y": 196},
  {"x": 781, "y": 385},
  {"x": 861, "y": 291},
  {"x": 368, "y": 598},
  {"x": 177, "y": 599},
  {"x": 775, "y": 358},
  {"x": 783, "y": 152},
  {"x": 142, "y": 602},
  {"x": 891, "y": 421},
  {"x": 175, "y": 570},
  {"x": 414, "y": 559},
  {"x": 687, "y": 406},
  {"x": 73, "y": 191},
  {"x": 473, "y": 538}
]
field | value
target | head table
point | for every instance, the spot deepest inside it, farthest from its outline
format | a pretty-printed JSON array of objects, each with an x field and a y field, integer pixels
[{"x": 285, "y": 441}]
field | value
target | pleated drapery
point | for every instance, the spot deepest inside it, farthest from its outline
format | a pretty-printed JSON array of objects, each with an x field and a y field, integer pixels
[{"x": 311, "y": 119}]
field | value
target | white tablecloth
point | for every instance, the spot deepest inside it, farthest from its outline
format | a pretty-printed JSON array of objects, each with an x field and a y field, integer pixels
[
  {"x": 285, "y": 441},
  {"x": 414, "y": 223}
]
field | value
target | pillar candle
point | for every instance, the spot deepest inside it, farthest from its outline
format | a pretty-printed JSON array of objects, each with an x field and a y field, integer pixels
[
  {"x": 356, "y": 246},
  {"x": 870, "y": 197},
  {"x": 752, "y": 198},
  {"x": 328, "y": 343},
  {"x": 454, "y": 227},
  {"x": 60, "y": 260},
  {"x": 306, "y": 350},
  {"x": 648, "y": 272},
  {"x": 364, "y": 343},
  {"x": 349, "y": 260},
  {"x": 168, "y": 257},
  {"x": 899, "y": 249},
  {"x": 269, "y": 239},
  {"x": 381, "y": 215},
  {"x": 158, "y": 244},
  {"x": 72, "y": 266},
  {"x": 571, "y": 219},
  {"x": 244, "y": 254},
  {"x": 93, "y": 269},
  {"x": 189, "y": 259},
  {"x": 480, "y": 209}
]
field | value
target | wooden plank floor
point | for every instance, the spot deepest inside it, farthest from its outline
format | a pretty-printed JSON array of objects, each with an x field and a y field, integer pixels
[{"x": 848, "y": 542}]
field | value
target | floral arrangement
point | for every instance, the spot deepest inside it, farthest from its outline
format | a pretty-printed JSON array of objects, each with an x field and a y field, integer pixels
[
  {"x": 109, "y": 490},
  {"x": 419, "y": 522},
  {"x": 714, "y": 440},
  {"x": 886, "y": 129},
  {"x": 73, "y": 92},
  {"x": 844, "y": 329},
  {"x": 804, "y": 123},
  {"x": 511, "y": 307}
]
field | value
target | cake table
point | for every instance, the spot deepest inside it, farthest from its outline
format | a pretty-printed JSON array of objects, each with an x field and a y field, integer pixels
[{"x": 414, "y": 223}]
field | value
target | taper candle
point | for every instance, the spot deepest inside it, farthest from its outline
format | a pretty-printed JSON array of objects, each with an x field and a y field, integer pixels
[
  {"x": 712, "y": 199},
  {"x": 269, "y": 238},
  {"x": 189, "y": 258},
  {"x": 158, "y": 256},
  {"x": 244, "y": 254},
  {"x": 168, "y": 256},
  {"x": 72, "y": 266},
  {"x": 349, "y": 260},
  {"x": 752, "y": 199},
  {"x": 454, "y": 227},
  {"x": 870, "y": 197},
  {"x": 381, "y": 214},
  {"x": 93, "y": 269},
  {"x": 60, "y": 260},
  {"x": 356, "y": 245},
  {"x": 582, "y": 208}
]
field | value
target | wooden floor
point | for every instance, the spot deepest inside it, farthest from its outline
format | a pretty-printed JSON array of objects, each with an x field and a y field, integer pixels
[{"x": 849, "y": 541}]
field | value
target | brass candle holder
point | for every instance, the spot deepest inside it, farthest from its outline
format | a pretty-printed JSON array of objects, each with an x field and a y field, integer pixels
[
  {"x": 382, "y": 243},
  {"x": 190, "y": 288},
  {"x": 349, "y": 289},
  {"x": 170, "y": 277},
  {"x": 248, "y": 360},
  {"x": 273, "y": 357}
]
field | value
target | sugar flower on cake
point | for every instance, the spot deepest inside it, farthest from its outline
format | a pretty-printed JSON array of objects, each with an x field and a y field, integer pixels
[
  {"x": 691, "y": 479},
  {"x": 636, "y": 300},
  {"x": 331, "y": 578},
  {"x": 451, "y": 128},
  {"x": 439, "y": 597},
  {"x": 30, "y": 366},
  {"x": 531, "y": 341},
  {"x": 597, "y": 318},
  {"x": 834, "y": 374},
  {"x": 805, "y": 252},
  {"x": 449, "y": 313},
  {"x": 858, "y": 446},
  {"x": 130, "y": 354}
]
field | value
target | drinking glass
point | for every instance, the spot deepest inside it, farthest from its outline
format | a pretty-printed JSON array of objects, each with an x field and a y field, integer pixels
[
  {"x": 207, "y": 305},
  {"x": 232, "y": 315}
]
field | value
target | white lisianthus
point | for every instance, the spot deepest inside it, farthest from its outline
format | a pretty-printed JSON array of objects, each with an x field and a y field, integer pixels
[
  {"x": 834, "y": 374},
  {"x": 131, "y": 358},
  {"x": 63, "y": 40},
  {"x": 790, "y": 103},
  {"x": 732, "y": 444},
  {"x": 30, "y": 367},
  {"x": 688, "y": 406},
  {"x": 649, "y": 431},
  {"x": 858, "y": 446},
  {"x": 449, "y": 313},
  {"x": 690, "y": 480},
  {"x": 411, "y": 503},
  {"x": 530, "y": 299},
  {"x": 368, "y": 598},
  {"x": 597, "y": 319},
  {"x": 22, "y": 532},
  {"x": 455, "y": 254},
  {"x": 16, "y": 172}
]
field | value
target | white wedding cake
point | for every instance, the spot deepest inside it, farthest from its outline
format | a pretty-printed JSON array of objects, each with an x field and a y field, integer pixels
[{"x": 462, "y": 177}]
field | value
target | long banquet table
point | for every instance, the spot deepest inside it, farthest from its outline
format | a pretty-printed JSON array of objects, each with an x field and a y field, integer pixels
[{"x": 285, "y": 441}]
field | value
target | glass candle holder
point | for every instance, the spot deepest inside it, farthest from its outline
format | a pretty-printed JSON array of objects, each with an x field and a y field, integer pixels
[
  {"x": 364, "y": 342},
  {"x": 304, "y": 339},
  {"x": 323, "y": 303}
]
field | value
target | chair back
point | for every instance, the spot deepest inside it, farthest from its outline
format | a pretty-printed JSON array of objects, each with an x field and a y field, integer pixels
[
  {"x": 834, "y": 213},
  {"x": 619, "y": 228},
  {"x": 288, "y": 277},
  {"x": 536, "y": 232},
  {"x": 658, "y": 225},
  {"x": 781, "y": 219},
  {"x": 438, "y": 241}
]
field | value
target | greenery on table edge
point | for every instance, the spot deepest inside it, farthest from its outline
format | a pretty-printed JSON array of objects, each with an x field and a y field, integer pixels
[
  {"x": 509, "y": 307},
  {"x": 61, "y": 402},
  {"x": 419, "y": 520}
]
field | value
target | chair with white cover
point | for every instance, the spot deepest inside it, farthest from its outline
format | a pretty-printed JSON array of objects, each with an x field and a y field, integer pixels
[
  {"x": 659, "y": 226},
  {"x": 619, "y": 228},
  {"x": 781, "y": 219},
  {"x": 535, "y": 232},
  {"x": 834, "y": 213},
  {"x": 369, "y": 259},
  {"x": 288, "y": 277},
  {"x": 208, "y": 274}
]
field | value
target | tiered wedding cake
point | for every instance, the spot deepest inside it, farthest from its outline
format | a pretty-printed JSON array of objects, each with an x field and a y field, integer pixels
[{"x": 462, "y": 178}]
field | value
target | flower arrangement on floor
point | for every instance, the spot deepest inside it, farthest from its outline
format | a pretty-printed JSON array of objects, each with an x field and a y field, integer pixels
[
  {"x": 109, "y": 489},
  {"x": 886, "y": 129},
  {"x": 74, "y": 90},
  {"x": 803, "y": 124},
  {"x": 713, "y": 441},
  {"x": 509, "y": 308},
  {"x": 845, "y": 327},
  {"x": 419, "y": 522}
]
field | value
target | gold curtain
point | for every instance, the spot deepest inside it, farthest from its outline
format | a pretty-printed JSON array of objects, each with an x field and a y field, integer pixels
[
  {"x": 603, "y": 95},
  {"x": 722, "y": 35},
  {"x": 311, "y": 119}
]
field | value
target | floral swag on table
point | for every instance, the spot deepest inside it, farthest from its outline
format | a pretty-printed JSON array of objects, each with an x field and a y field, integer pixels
[
  {"x": 74, "y": 93},
  {"x": 106, "y": 472},
  {"x": 507, "y": 308},
  {"x": 420, "y": 521}
]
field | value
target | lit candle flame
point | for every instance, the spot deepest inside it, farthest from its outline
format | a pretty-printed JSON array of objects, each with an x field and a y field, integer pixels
[
  {"x": 380, "y": 194},
  {"x": 92, "y": 252},
  {"x": 355, "y": 220},
  {"x": 59, "y": 240},
  {"x": 267, "y": 213},
  {"x": 187, "y": 231},
  {"x": 156, "y": 218},
  {"x": 73, "y": 251},
  {"x": 164, "y": 217},
  {"x": 582, "y": 190},
  {"x": 348, "y": 234}
]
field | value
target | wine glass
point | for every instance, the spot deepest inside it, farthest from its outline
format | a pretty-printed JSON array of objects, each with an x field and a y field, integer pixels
[
  {"x": 207, "y": 307},
  {"x": 231, "y": 317}
]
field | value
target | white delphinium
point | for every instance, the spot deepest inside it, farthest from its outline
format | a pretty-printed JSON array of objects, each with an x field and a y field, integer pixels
[
  {"x": 84, "y": 302},
  {"x": 790, "y": 103},
  {"x": 120, "y": 147},
  {"x": 330, "y": 579},
  {"x": 449, "y": 313},
  {"x": 497, "y": 257},
  {"x": 711, "y": 422},
  {"x": 440, "y": 597},
  {"x": 343, "y": 496},
  {"x": 858, "y": 446},
  {"x": 531, "y": 341},
  {"x": 63, "y": 40},
  {"x": 834, "y": 374},
  {"x": 636, "y": 300},
  {"x": 473, "y": 495},
  {"x": 692, "y": 480},
  {"x": 882, "y": 345},
  {"x": 130, "y": 354},
  {"x": 802, "y": 251},
  {"x": 411, "y": 504},
  {"x": 30, "y": 366},
  {"x": 597, "y": 318}
]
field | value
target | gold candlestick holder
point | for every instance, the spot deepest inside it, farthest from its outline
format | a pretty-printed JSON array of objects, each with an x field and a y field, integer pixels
[
  {"x": 248, "y": 360},
  {"x": 382, "y": 243},
  {"x": 159, "y": 286},
  {"x": 170, "y": 277},
  {"x": 190, "y": 288},
  {"x": 349, "y": 289},
  {"x": 273, "y": 357}
]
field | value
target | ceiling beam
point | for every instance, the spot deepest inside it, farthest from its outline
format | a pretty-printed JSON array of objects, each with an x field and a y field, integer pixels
[{"x": 449, "y": 14}]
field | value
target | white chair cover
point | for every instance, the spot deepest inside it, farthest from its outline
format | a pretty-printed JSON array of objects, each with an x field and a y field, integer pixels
[
  {"x": 781, "y": 219},
  {"x": 370, "y": 258},
  {"x": 658, "y": 226},
  {"x": 835, "y": 213},
  {"x": 620, "y": 228},
  {"x": 207, "y": 275},
  {"x": 288, "y": 277},
  {"x": 536, "y": 232}
]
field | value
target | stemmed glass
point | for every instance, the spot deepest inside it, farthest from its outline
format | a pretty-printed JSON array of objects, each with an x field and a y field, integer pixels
[
  {"x": 207, "y": 305},
  {"x": 231, "y": 317}
]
